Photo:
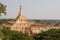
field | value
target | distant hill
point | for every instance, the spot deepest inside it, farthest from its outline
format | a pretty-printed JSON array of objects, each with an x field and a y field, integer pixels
[
  {"x": 55, "y": 22},
  {"x": 50, "y": 21},
  {"x": 4, "y": 20}
]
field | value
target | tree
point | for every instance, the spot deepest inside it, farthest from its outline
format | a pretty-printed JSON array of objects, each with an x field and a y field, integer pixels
[
  {"x": 52, "y": 34},
  {"x": 2, "y": 9},
  {"x": 1, "y": 35},
  {"x": 15, "y": 35}
]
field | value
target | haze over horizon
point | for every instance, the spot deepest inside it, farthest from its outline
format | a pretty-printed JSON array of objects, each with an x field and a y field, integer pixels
[{"x": 33, "y": 9}]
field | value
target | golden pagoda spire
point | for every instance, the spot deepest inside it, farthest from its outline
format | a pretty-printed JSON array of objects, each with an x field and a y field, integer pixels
[
  {"x": 20, "y": 13},
  {"x": 20, "y": 16},
  {"x": 20, "y": 10}
]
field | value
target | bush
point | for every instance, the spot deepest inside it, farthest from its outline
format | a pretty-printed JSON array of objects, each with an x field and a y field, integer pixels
[{"x": 52, "y": 34}]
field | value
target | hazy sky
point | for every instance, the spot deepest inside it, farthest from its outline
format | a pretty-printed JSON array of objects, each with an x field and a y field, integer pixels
[{"x": 33, "y": 9}]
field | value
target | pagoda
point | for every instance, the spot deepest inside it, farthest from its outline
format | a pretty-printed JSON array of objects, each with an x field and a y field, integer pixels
[{"x": 21, "y": 23}]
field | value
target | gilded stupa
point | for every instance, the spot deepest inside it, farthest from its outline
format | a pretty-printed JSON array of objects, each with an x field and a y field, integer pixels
[{"x": 21, "y": 23}]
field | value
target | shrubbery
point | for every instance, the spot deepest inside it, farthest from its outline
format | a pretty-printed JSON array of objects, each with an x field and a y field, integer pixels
[
  {"x": 7, "y": 34},
  {"x": 52, "y": 34}
]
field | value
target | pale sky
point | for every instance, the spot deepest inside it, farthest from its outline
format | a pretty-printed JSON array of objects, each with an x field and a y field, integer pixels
[{"x": 33, "y": 9}]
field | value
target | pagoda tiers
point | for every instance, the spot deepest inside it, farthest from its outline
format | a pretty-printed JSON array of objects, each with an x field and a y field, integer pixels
[{"x": 21, "y": 23}]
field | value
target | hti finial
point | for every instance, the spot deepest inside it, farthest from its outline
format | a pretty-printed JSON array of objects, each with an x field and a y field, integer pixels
[{"x": 20, "y": 9}]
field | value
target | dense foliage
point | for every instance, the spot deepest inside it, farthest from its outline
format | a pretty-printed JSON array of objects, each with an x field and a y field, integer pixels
[
  {"x": 7, "y": 34},
  {"x": 52, "y": 34}
]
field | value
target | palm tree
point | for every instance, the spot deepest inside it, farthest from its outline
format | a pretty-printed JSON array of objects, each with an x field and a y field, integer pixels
[{"x": 2, "y": 9}]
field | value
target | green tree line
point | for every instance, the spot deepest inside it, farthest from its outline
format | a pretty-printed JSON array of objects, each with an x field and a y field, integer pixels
[{"x": 7, "y": 34}]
